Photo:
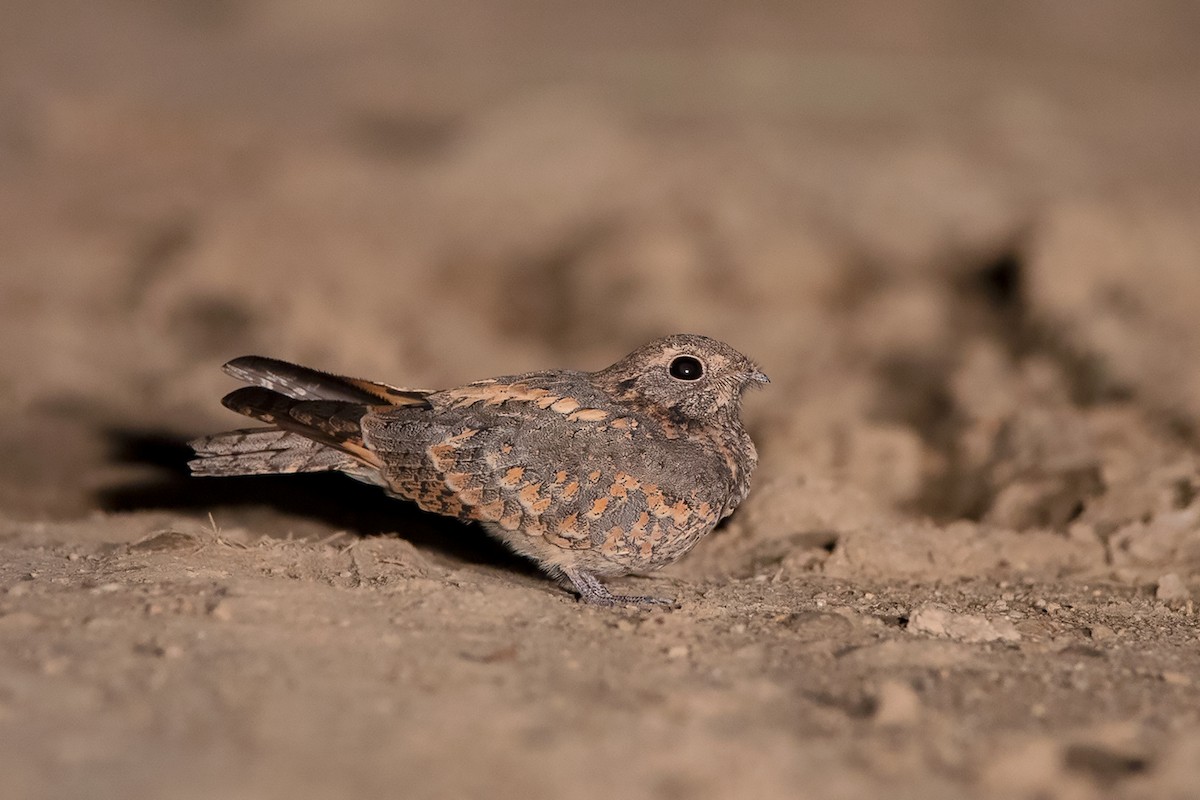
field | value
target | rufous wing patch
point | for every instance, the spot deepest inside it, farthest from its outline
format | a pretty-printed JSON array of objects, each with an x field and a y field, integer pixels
[
  {"x": 511, "y": 478},
  {"x": 443, "y": 455},
  {"x": 489, "y": 512},
  {"x": 491, "y": 393}
]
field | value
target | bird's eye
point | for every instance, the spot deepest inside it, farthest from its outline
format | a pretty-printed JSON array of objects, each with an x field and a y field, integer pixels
[{"x": 686, "y": 368}]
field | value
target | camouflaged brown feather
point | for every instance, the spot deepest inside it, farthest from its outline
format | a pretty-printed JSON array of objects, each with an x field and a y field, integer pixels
[{"x": 589, "y": 474}]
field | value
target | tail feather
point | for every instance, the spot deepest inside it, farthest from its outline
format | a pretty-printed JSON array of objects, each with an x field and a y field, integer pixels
[
  {"x": 305, "y": 436},
  {"x": 266, "y": 451},
  {"x": 335, "y": 422},
  {"x": 304, "y": 383}
]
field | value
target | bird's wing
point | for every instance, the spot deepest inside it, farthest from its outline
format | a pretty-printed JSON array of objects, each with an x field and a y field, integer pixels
[{"x": 546, "y": 457}]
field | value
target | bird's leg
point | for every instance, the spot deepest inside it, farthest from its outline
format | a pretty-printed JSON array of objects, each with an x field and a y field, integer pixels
[{"x": 591, "y": 590}]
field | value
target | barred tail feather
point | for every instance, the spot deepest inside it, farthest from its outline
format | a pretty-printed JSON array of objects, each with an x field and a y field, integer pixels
[
  {"x": 266, "y": 451},
  {"x": 304, "y": 383}
]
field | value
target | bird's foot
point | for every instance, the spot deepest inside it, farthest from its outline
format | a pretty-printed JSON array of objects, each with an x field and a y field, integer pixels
[{"x": 593, "y": 592}]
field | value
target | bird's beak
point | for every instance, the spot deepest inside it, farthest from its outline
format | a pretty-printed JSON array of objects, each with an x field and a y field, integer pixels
[{"x": 760, "y": 376}]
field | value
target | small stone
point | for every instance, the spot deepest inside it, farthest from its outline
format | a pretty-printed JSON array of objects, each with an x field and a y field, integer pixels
[
  {"x": 1176, "y": 678},
  {"x": 1171, "y": 590},
  {"x": 221, "y": 611},
  {"x": 897, "y": 705},
  {"x": 1101, "y": 633},
  {"x": 18, "y": 590},
  {"x": 937, "y": 621},
  {"x": 678, "y": 651}
]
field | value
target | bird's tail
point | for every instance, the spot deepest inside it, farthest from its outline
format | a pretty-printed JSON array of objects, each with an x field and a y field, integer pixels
[
  {"x": 314, "y": 417},
  {"x": 265, "y": 451}
]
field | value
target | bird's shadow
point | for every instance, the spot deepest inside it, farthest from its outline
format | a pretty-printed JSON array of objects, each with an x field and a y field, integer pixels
[{"x": 329, "y": 498}]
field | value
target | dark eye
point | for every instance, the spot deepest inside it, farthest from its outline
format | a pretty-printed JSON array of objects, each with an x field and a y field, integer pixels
[{"x": 686, "y": 368}]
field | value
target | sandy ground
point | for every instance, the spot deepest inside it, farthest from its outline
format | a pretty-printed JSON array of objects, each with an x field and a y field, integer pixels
[{"x": 964, "y": 241}]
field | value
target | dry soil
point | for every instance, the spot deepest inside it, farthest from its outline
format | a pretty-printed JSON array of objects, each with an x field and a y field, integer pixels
[{"x": 963, "y": 240}]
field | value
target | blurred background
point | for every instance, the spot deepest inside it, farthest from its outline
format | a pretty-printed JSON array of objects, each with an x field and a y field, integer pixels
[
  {"x": 963, "y": 238},
  {"x": 917, "y": 216}
]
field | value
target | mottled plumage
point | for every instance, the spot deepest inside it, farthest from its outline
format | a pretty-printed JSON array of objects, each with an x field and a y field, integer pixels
[{"x": 588, "y": 473}]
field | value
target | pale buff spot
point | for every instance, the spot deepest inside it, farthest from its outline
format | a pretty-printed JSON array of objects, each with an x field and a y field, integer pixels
[
  {"x": 512, "y": 478},
  {"x": 489, "y": 511},
  {"x": 442, "y": 454},
  {"x": 568, "y": 526},
  {"x": 558, "y": 541},
  {"x": 588, "y": 415},
  {"x": 614, "y": 537},
  {"x": 456, "y": 481},
  {"x": 654, "y": 500},
  {"x": 457, "y": 439},
  {"x": 565, "y": 405},
  {"x": 472, "y": 495},
  {"x": 627, "y": 482}
]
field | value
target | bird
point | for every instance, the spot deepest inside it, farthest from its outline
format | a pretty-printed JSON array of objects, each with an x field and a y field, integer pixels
[{"x": 589, "y": 474}]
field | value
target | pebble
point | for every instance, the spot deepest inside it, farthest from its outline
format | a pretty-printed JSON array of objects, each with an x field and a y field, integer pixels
[
  {"x": 221, "y": 611},
  {"x": 1171, "y": 589},
  {"x": 897, "y": 704},
  {"x": 938, "y": 621},
  {"x": 1176, "y": 678}
]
